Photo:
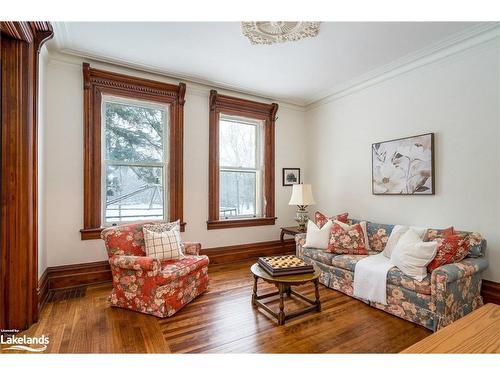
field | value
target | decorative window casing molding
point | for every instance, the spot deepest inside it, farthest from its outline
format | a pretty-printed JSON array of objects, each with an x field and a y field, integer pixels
[
  {"x": 97, "y": 83},
  {"x": 232, "y": 106}
]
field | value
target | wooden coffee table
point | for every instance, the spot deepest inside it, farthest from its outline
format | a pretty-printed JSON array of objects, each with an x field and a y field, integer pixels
[
  {"x": 284, "y": 285},
  {"x": 477, "y": 332}
]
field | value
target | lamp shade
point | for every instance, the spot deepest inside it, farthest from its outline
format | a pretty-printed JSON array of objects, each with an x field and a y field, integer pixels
[{"x": 301, "y": 195}]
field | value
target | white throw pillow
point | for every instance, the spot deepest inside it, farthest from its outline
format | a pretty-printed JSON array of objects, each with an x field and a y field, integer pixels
[
  {"x": 411, "y": 255},
  {"x": 345, "y": 226},
  {"x": 318, "y": 238},
  {"x": 396, "y": 234},
  {"x": 163, "y": 245}
]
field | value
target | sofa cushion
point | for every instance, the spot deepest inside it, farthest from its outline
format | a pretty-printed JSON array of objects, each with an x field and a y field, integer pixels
[
  {"x": 378, "y": 234},
  {"x": 394, "y": 276},
  {"x": 398, "y": 278},
  {"x": 348, "y": 262},
  {"x": 329, "y": 258},
  {"x": 318, "y": 255}
]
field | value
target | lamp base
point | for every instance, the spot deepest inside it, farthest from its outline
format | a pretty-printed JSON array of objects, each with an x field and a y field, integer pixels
[{"x": 301, "y": 217}]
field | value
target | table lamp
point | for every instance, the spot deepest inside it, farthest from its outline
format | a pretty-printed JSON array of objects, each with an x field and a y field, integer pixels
[{"x": 301, "y": 197}]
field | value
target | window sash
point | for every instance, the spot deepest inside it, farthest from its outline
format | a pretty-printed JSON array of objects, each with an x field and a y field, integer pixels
[
  {"x": 258, "y": 193},
  {"x": 258, "y": 170},
  {"x": 112, "y": 162}
]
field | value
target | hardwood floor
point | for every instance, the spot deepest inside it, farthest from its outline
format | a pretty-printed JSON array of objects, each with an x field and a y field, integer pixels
[{"x": 221, "y": 321}]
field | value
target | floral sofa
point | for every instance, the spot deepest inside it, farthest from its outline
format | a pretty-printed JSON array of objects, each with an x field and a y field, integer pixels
[
  {"x": 449, "y": 293},
  {"x": 148, "y": 285}
]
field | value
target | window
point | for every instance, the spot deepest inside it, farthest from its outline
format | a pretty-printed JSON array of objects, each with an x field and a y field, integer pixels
[
  {"x": 240, "y": 168},
  {"x": 241, "y": 163},
  {"x": 134, "y": 154},
  {"x": 132, "y": 150}
]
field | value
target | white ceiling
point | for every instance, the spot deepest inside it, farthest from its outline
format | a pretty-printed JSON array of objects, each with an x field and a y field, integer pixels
[{"x": 217, "y": 53}]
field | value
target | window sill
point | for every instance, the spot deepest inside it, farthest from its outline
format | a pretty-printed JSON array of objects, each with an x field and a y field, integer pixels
[
  {"x": 95, "y": 233},
  {"x": 239, "y": 223}
]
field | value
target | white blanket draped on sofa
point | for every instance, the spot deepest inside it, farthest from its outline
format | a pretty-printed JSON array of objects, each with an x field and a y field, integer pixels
[{"x": 370, "y": 278}]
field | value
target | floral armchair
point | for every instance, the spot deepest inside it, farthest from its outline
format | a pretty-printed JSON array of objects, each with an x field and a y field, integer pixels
[{"x": 146, "y": 284}]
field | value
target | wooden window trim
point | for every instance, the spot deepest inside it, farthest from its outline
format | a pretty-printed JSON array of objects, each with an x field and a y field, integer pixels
[
  {"x": 97, "y": 83},
  {"x": 228, "y": 105}
]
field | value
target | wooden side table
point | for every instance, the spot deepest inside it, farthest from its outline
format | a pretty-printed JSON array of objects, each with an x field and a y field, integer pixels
[
  {"x": 284, "y": 285},
  {"x": 291, "y": 231}
]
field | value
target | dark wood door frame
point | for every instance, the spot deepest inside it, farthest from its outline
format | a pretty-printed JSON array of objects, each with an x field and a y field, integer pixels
[{"x": 20, "y": 44}]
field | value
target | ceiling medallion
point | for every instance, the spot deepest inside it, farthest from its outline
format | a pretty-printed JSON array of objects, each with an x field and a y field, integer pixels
[{"x": 270, "y": 32}]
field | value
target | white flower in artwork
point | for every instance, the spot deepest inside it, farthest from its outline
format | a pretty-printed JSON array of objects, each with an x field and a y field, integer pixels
[{"x": 389, "y": 178}]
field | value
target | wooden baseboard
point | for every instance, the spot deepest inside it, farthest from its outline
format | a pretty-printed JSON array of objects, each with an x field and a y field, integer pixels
[
  {"x": 77, "y": 275},
  {"x": 491, "y": 292},
  {"x": 238, "y": 253},
  {"x": 73, "y": 275},
  {"x": 43, "y": 289}
]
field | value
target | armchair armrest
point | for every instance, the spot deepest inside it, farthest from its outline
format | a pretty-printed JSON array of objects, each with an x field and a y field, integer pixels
[
  {"x": 192, "y": 248},
  {"x": 138, "y": 263}
]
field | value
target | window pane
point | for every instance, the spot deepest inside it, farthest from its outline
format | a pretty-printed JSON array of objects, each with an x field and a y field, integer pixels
[
  {"x": 134, "y": 133},
  {"x": 237, "y": 144},
  {"x": 237, "y": 193},
  {"x": 133, "y": 193}
]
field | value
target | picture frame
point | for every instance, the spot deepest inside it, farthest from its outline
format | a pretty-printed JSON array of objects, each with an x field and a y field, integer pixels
[
  {"x": 404, "y": 166},
  {"x": 291, "y": 176}
]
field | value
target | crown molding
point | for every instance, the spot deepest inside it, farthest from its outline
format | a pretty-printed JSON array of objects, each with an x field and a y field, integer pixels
[
  {"x": 193, "y": 87},
  {"x": 62, "y": 44},
  {"x": 459, "y": 42}
]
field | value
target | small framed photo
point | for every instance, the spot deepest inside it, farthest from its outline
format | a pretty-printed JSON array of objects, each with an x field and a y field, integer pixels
[{"x": 291, "y": 176}]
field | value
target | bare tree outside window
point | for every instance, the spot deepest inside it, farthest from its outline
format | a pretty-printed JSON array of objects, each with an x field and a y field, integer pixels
[
  {"x": 240, "y": 167},
  {"x": 134, "y": 160}
]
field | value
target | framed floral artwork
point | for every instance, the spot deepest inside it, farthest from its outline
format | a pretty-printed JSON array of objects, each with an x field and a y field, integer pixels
[{"x": 404, "y": 166}]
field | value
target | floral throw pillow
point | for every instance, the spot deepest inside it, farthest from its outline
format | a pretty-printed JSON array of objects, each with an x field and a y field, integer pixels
[
  {"x": 451, "y": 249},
  {"x": 347, "y": 241},
  {"x": 321, "y": 219},
  {"x": 474, "y": 239},
  {"x": 432, "y": 234}
]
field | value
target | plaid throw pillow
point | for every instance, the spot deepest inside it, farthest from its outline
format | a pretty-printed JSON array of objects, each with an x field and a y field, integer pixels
[
  {"x": 164, "y": 245},
  {"x": 161, "y": 227}
]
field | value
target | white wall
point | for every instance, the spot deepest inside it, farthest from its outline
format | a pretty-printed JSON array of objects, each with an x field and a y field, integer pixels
[
  {"x": 458, "y": 99},
  {"x": 63, "y": 166},
  {"x": 42, "y": 94}
]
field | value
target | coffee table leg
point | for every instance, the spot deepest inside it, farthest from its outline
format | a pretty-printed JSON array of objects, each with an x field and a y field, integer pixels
[
  {"x": 254, "y": 295},
  {"x": 281, "y": 314},
  {"x": 288, "y": 290},
  {"x": 316, "y": 293}
]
